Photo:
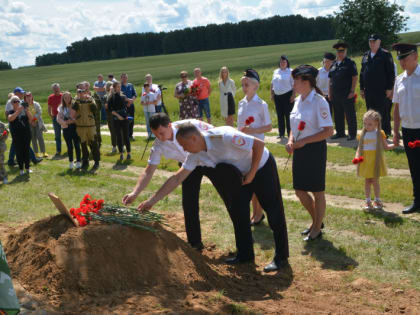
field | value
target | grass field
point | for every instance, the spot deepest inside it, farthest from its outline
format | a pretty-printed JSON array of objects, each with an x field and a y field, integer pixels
[
  {"x": 165, "y": 70},
  {"x": 383, "y": 247}
]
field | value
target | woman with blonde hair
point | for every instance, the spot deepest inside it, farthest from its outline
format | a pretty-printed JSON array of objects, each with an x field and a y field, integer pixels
[
  {"x": 68, "y": 124},
  {"x": 227, "y": 90},
  {"x": 37, "y": 125}
]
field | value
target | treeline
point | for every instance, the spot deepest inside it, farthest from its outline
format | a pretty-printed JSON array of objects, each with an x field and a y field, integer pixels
[
  {"x": 4, "y": 65},
  {"x": 273, "y": 30}
]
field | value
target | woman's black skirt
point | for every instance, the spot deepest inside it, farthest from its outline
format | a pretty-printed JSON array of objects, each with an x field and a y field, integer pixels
[
  {"x": 231, "y": 104},
  {"x": 309, "y": 166}
]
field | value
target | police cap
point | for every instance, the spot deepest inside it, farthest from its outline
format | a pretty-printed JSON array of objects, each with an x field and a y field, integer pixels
[
  {"x": 340, "y": 45},
  {"x": 252, "y": 74},
  {"x": 374, "y": 37},
  {"x": 329, "y": 56},
  {"x": 305, "y": 70},
  {"x": 404, "y": 50}
]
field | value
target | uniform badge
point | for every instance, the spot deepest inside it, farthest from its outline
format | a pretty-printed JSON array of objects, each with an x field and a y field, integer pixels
[
  {"x": 238, "y": 140},
  {"x": 203, "y": 126},
  {"x": 324, "y": 114}
]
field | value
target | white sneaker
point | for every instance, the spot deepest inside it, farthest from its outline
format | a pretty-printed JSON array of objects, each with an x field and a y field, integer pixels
[
  {"x": 78, "y": 165},
  {"x": 71, "y": 165},
  {"x": 5, "y": 181},
  {"x": 114, "y": 150},
  {"x": 21, "y": 172},
  {"x": 29, "y": 171}
]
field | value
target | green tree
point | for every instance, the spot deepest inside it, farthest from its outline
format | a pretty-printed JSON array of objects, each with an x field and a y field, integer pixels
[
  {"x": 4, "y": 65},
  {"x": 358, "y": 19}
]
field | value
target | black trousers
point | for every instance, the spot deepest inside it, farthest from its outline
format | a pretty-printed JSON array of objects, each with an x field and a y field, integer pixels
[
  {"x": 266, "y": 185},
  {"x": 72, "y": 141},
  {"x": 22, "y": 142},
  {"x": 344, "y": 107},
  {"x": 413, "y": 157},
  {"x": 131, "y": 112},
  {"x": 122, "y": 134},
  {"x": 378, "y": 101},
  {"x": 227, "y": 180},
  {"x": 283, "y": 109},
  {"x": 94, "y": 148},
  {"x": 110, "y": 120}
]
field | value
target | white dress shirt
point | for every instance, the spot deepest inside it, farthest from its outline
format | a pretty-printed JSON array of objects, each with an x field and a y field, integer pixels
[
  {"x": 225, "y": 145},
  {"x": 171, "y": 149},
  {"x": 314, "y": 111},
  {"x": 282, "y": 81},
  {"x": 322, "y": 80},
  {"x": 407, "y": 95},
  {"x": 256, "y": 108}
]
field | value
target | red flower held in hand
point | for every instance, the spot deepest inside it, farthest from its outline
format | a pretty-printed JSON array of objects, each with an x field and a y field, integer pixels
[
  {"x": 414, "y": 144},
  {"x": 249, "y": 120},
  {"x": 358, "y": 160},
  {"x": 301, "y": 125},
  {"x": 4, "y": 133},
  {"x": 361, "y": 159},
  {"x": 35, "y": 119}
]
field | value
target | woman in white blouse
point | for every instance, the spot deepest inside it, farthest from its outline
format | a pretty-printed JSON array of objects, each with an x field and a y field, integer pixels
[
  {"x": 227, "y": 90},
  {"x": 322, "y": 80},
  {"x": 311, "y": 125},
  {"x": 282, "y": 94}
]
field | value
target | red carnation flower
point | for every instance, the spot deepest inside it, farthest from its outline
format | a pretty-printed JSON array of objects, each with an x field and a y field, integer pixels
[
  {"x": 4, "y": 133},
  {"x": 100, "y": 204},
  {"x": 411, "y": 145},
  {"x": 35, "y": 119},
  {"x": 82, "y": 221},
  {"x": 247, "y": 122},
  {"x": 355, "y": 161},
  {"x": 417, "y": 143},
  {"x": 251, "y": 119},
  {"x": 361, "y": 159},
  {"x": 301, "y": 125}
]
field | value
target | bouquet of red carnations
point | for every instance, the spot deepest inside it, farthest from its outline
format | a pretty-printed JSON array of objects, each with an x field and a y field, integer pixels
[{"x": 96, "y": 210}]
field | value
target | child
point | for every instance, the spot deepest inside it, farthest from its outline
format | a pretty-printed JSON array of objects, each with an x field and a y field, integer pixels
[
  {"x": 3, "y": 137},
  {"x": 253, "y": 119},
  {"x": 372, "y": 143},
  {"x": 148, "y": 100}
]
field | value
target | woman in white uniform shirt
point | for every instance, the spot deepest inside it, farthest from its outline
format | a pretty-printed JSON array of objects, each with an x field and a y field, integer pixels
[
  {"x": 253, "y": 106},
  {"x": 322, "y": 80},
  {"x": 282, "y": 94},
  {"x": 309, "y": 146},
  {"x": 227, "y": 90}
]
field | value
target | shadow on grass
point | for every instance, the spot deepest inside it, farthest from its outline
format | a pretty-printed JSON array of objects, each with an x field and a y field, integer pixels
[
  {"x": 75, "y": 172},
  {"x": 122, "y": 165},
  {"x": 391, "y": 219},
  {"x": 331, "y": 257},
  {"x": 20, "y": 179}
]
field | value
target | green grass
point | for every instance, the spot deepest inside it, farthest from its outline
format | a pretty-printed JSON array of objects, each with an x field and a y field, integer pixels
[
  {"x": 369, "y": 245},
  {"x": 166, "y": 68}
]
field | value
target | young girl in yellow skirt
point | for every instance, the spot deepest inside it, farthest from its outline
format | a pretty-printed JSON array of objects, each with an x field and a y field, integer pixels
[{"x": 370, "y": 157}]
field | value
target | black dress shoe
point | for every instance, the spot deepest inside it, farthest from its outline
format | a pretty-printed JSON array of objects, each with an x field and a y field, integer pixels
[
  {"x": 411, "y": 209},
  {"x": 307, "y": 231},
  {"x": 276, "y": 265},
  {"x": 238, "y": 260},
  {"x": 85, "y": 165},
  {"x": 351, "y": 138},
  {"x": 309, "y": 238},
  {"x": 259, "y": 221},
  {"x": 37, "y": 160},
  {"x": 337, "y": 136}
]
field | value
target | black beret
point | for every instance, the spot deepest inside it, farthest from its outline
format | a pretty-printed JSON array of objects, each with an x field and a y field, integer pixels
[
  {"x": 305, "y": 69},
  {"x": 403, "y": 49},
  {"x": 339, "y": 45},
  {"x": 329, "y": 56},
  {"x": 251, "y": 73},
  {"x": 374, "y": 37}
]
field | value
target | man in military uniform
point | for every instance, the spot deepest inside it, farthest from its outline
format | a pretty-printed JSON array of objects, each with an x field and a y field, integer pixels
[
  {"x": 4, "y": 133},
  {"x": 343, "y": 80},
  {"x": 377, "y": 78},
  {"x": 97, "y": 114},
  {"x": 84, "y": 113},
  {"x": 407, "y": 113}
]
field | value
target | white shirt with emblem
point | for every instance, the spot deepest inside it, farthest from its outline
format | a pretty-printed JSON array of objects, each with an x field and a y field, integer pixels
[
  {"x": 407, "y": 95},
  {"x": 282, "y": 81},
  {"x": 225, "y": 145},
  {"x": 171, "y": 149},
  {"x": 314, "y": 111},
  {"x": 256, "y": 108},
  {"x": 322, "y": 80}
]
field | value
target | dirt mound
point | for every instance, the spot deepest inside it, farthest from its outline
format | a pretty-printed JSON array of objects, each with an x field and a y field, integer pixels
[{"x": 52, "y": 257}]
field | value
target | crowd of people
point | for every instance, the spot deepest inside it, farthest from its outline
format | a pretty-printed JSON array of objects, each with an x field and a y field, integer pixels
[{"x": 243, "y": 171}]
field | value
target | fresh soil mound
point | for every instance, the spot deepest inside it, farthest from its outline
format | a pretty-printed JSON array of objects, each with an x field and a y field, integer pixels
[{"x": 52, "y": 257}]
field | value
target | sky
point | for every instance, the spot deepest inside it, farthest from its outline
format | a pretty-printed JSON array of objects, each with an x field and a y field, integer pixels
[{"x": 29, "y": 28}]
